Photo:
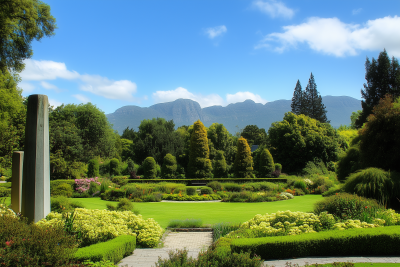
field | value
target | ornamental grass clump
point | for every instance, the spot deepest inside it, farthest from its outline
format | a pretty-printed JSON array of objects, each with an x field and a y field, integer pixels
[
  {"x": 187, "y": 223},
  {"x": 102, "y": 225}
]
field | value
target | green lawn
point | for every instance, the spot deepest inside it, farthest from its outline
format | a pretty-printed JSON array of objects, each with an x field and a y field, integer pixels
[{"x": 210, "y": 212}]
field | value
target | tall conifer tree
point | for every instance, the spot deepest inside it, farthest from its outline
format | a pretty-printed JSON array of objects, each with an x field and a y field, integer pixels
[
  {"x": 383, "y": 77},
  {"x": 314, "y": 108},
  {"x": 243, "y": 164},
  {"x": 199, "y": 162},
  {"x": 297, "y": 100}
]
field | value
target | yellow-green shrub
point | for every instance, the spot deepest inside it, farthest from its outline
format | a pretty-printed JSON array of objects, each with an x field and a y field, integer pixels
[{"x": 101, "y": 225}]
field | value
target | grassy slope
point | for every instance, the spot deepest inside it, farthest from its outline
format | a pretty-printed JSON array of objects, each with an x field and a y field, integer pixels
[{"x": 211, "y": 212}]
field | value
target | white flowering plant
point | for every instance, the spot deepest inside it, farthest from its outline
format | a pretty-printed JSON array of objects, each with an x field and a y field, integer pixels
[{"x": 101, "y": 225}]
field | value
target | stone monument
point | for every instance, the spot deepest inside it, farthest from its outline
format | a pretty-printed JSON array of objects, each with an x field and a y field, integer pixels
[{"x": 35, "y": 201}]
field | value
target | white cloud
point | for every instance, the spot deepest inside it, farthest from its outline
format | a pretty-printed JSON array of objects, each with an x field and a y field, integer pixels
[
  {"x": 46, "y": 70},
  {"x": 215, "y": 31},
  {"x": 273, "y": 8},
  {"x": 54, "y": 103},
  {"x": 242, "y": 96},
  {"x": 26, "y": 87},
  {"x": 332, "y": 37},
  {"x": 356, "y": 11},
  {"x": 82, "y": 98},
  {"x": 49, "y": 70},
  {"x": 205, "y": 101},
  {"x": 49, "y": 86}
]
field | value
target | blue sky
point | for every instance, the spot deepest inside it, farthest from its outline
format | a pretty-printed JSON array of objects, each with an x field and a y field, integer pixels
[{"x": 216, "y": 52}]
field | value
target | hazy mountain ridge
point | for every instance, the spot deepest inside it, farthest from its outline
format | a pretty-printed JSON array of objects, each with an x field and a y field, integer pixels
[{"x": 234, "y": 116}]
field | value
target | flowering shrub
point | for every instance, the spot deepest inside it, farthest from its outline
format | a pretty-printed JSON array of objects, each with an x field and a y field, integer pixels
[
  {"x": 101, "y": 225},
  {"x": 349, "y": 224},
  {"x": 308, "y": 182},
  {"x": 180, "y": 197},
  {"x": 82, "y": 185},
  {"x": 4, "y": 211},
  {"x": 285, "y": 195}
]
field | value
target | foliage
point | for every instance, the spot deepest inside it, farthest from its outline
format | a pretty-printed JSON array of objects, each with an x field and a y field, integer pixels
[
  {"x": 21, "y": 23},
  {"x": 247, "y": 196},
  {"x": 376, "y": 241},
  {"x": 243, "y": 164},
  {"x": 169, "y": 167},
  {"x": 190, "y": 191},
  {"x": 187, "y": 223},
  {"x": 149, "y": 166},
  {"x": 28, "y": 244},
  {"x": 266, "y": 164},
  {"x": 380, "y": 137},
  {"x": 220, "y": 168},
  {"x": 221, "y": 140},
  {"x": 348, "y": 134},
  {"x": 199, "y": 163},
  {"x": 124, "y": 204},
  {"x": 63, "y": 204},
  {"x": 93, "y": 168},
  {"x": 120, "y": 180},
  {"x": 62, "y": 189},
  {"x": 113, "y": 250},
  {"x": 344, "y": 206},
  {"x": 299, "y": 139},
  {"x": 102, "y": 225},
  {"x": 83, "y": 185},
  {"x": 216, "y": 186},
  {"x": 206, "y": 190},
  {"x": 254, "y": 135},
  {"x": 5, "y": 192},
  {"x": 318, "y": 167},
  {"x": 223, "y": 228},
  {"x": 383, "y": 77},
  {"x": 180, "y": 197},
  {"x": 114, "y": 170},
  {"x": 348, "y": 163},
  {"x": 314, "y": 108},
  {"x": 300, "y": 185},
  {"x": 12, "y": 117},
  {"x": 156, "y": 138},
  {"x": 375, "y": 183}
]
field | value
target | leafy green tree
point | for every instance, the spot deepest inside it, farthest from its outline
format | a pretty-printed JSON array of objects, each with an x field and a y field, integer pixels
[
  {"x": 299, "y": 139},
  {"x": 199, "y": 163},
  {"x": 114, "y": 170},
  {"x": 157, "y": 138},
  {"x": 243, "y": 164},
  {"x": 314, "y": 108},
  {"x": 297, "y": 100},
  {"x": 169, "y": 167},
  {"x": 221, "y": 139},
  {"x": 266, "y": 164},
  {"x": 220, "y": 170},
  {"x": 129, "y": 134},
  {"x": 254, "y": 135},
  {"x": 353, "y": 118},
  {"x": 127, "y": 149},
  {"x": 380, "y": 136},
  {"x": 93, "y": 168},
  {"x": 21, "y": 22},
  {"x": 12, "y": 117},
  {"x": 383, "y": 77},
  {"x": 150, "y": 168}
]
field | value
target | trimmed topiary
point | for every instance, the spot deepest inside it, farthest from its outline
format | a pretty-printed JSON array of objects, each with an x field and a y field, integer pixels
[
  {"x": 150, "y": 168},
  {"x": 169, "y": 167},
  {"x": 93, "y": 168},
  {"x": 199, "y": 163},
  {"x": 220, "y": 170},
  {"x": 266, "y": 164},
  {"x": 114, "y": 167},
  {"x": 243, "y": 164}
]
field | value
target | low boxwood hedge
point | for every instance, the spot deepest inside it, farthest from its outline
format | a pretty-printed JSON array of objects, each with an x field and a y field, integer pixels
[
  {"x": 55, "y": 183},
  {"x": 221, "y": 180},
  {"x": 113, "y": 250},
  {"x": 367, "y": 241}
]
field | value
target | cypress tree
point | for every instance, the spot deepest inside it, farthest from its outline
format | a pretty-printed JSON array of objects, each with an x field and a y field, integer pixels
[
  {"x": 314, "y": 108},
  {"x": 383, "y": 77},
  {"x": 243, "y": 164},
  {"x": 199, "y": 163},
  {"x": 266, "y": 164},
  {"x": 297, "y": 100},
  {"x": 150, "y": 168},
  {"x": 169, "y": 167},
  {"x": 93, "y": 168},
  {"x": 220, "y": 165}
]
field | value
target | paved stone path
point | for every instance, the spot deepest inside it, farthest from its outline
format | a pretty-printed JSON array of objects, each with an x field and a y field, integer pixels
[{"x": 194, "y": 242}]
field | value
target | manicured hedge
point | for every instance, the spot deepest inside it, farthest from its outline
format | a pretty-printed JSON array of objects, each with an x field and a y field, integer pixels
[
  {"x": 367, "y": 241},
  {"x": 6, "y": 185},
  {"x": 221, "y": 180},
  {"x": 113, "y": 250},
  {"x": 55, "y": 183}
]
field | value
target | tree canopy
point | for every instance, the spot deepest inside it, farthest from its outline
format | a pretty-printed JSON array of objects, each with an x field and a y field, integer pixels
[
  {"x": 297, "y": 104},
  {"x": 243, "y": 164},
  {"x": 314, "y": 108},
  {"x": 22, "y": 21},
  {"x": 199, "y": 163},
  {"x": 383, "y": 77},
  {"x": 254, "y": 135}
]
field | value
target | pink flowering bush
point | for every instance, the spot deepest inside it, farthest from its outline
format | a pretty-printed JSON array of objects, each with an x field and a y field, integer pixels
[{"x": 82, "y": 185}]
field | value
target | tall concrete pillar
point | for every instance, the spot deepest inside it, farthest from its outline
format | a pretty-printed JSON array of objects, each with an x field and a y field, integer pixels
[
  {"x": 16, "y": 180},
  {"x": 36, "y": 172}
]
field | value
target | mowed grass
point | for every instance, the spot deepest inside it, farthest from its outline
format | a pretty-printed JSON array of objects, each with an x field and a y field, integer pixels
[{"x": 210, "y": 212}]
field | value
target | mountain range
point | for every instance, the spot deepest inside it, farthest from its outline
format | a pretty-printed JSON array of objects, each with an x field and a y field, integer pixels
[{"x": 234, "y": 116}]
